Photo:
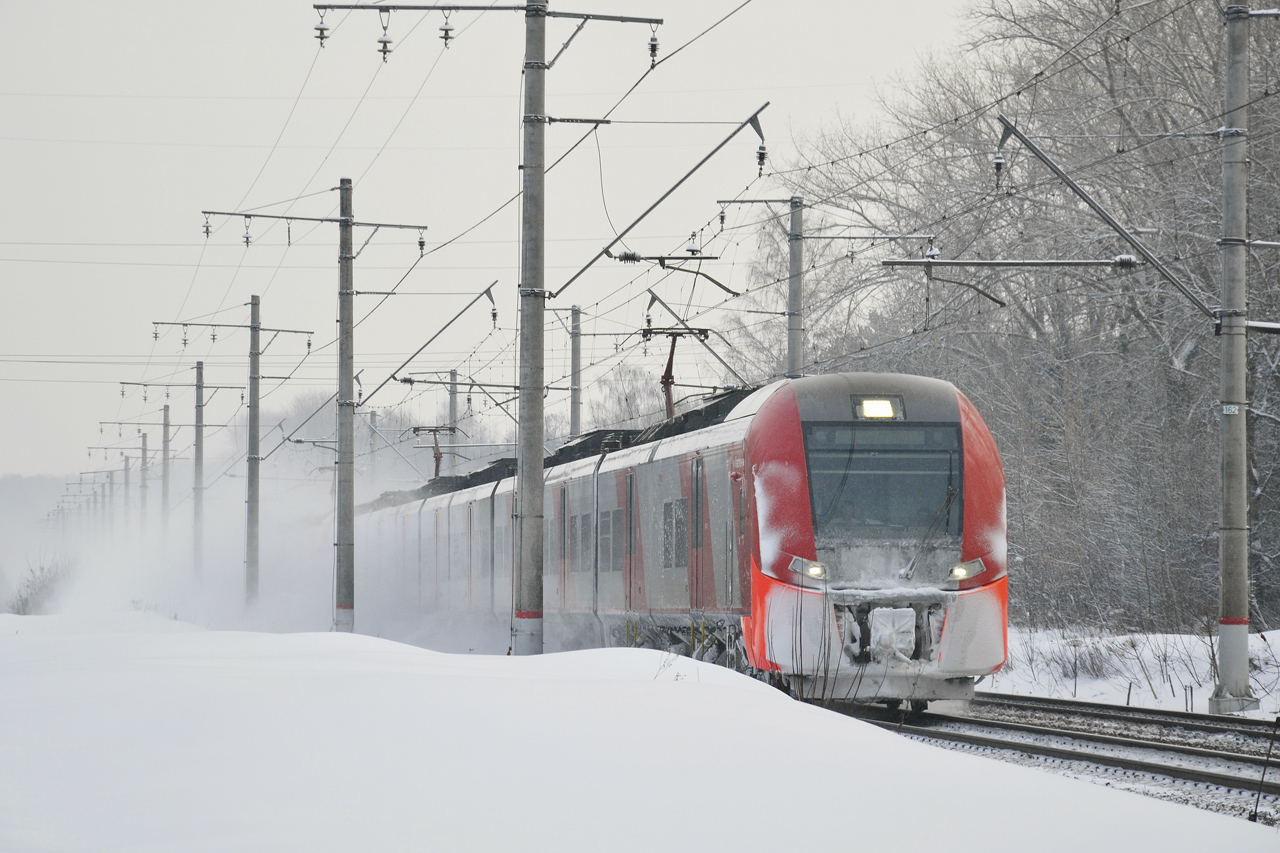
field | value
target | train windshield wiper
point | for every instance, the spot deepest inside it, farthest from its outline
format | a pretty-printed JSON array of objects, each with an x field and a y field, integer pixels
[{"x": 944, "y": 512}]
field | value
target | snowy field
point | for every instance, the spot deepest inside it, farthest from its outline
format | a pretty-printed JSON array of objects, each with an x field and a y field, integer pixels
[
  {"x": 133, "y": 732},
  {"x": 1170, "y": 671}
]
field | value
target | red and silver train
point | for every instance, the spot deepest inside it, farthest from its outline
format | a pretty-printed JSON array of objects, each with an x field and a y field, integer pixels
[{"x": 841, "y": 535}]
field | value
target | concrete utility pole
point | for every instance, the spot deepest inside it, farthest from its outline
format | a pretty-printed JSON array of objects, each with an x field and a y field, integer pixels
[
  {"x": 197, "y": 481},
  {"x": 142, "y": 483},
  {"x": 344, "y": 533},
  {"x": 1232, "y": 692},
  {"x": 527, "y": 624},
  {"x": 164, "y": 473},
  {"x": 253, "y": 453},
  {"x": 345, "y": 590},
  {"x": 526, "y": 630},
  {"x": 125, "y": 502},
  {"x": 451, "y": 463},
  {"x": 575, "y": 371},
  {"x": 254, "y": 456},
  {"x": 795, "y": 277},
  {"x": 373, "y": 451},
  {"x": 795, "y": 288}
]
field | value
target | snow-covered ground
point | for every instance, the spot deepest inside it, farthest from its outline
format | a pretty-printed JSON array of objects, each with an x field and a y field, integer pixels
[
  {"x": 139, "y": 733},
  {"x": 1170, "y": 671}
]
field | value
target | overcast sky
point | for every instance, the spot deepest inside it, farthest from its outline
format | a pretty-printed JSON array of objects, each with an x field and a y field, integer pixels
[{"x": 122, "y": 121}]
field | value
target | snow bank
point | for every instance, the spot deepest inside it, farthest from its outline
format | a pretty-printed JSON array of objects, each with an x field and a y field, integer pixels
[
  {"x": 1169, "y": 671},
  {"x": 129, "y": 737}
]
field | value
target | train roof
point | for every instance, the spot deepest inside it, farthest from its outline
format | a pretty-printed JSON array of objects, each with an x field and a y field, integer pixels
[
  {"x": 824, "y": 397},
  {"x": 829, "y": 396},
  {"x": 713, "y": 410}
]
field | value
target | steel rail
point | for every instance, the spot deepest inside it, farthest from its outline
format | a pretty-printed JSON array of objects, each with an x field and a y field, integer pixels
[
  {"x": 1153, "y": 716},
  {"x": 1187, "y": 774},
  {"x": 1111, "y": 740}
]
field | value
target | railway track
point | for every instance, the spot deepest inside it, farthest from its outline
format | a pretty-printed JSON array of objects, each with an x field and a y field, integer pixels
[
  {"x": 983, "y": 703},
  {"x": 1212, "y": 762}
]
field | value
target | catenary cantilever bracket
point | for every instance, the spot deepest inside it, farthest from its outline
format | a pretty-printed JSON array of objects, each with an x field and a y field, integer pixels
[{"x": 1148, "y": 256}]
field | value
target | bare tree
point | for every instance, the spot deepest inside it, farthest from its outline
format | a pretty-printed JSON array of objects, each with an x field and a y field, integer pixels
[{"x": 1100, "y": 386}]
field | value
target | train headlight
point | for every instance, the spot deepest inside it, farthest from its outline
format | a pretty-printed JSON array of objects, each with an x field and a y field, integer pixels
[
  {"x": 966, "y": 571},
  {"x": 877, "y": 408},
  {"x": 808, "y": 570}
]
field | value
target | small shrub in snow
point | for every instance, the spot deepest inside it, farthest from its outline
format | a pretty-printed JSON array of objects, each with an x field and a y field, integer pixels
[{"x": 37, "y": 588}]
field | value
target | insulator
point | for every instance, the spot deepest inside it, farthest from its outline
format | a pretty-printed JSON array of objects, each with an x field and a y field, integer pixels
[
  {"x": 155, "y": 332},
  {"x": 308, "y": 343},
  {"x": 208, "y": 229},
  {"x": 121, "y": 390},
  {"x": 1124, "y": 262},
  {"x": 653, "y": 50},
  {"x": 246, "y": 231},
  {"x": 446, "y": 32},
  {"x": 322, "y": 30},
  {"x": 932, "y": 252},
  {"x": 648, "y": 321},
  {"x": 213, "y": 336},
  {"x": 384, "y": 43},
  {"x": 144, "y": 393},
  {"x": 722, "y": 219},
  {"x": 493, "y": 314},
  {"x": 119, "y": 432},
  {"x": 242, "y": 398},
  {"x": 998, "y": 162},
  {"x": 762, "y": 154},
  {"x": 629, "y": 257},
  {"x": 693, "y": 248}
]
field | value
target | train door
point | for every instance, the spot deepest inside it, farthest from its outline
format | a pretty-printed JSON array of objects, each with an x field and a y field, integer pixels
[
  {"x": 501, "y": 556},
  {"x": 611, "y": 538},
  {"x": 481, "y": 548},
  {"x": 442, "y": 558},
  {"x": 739, "y": 564},
  {"x": 423, "y": 544},
  {"x": 663, "y": 486},
  {"x": 562, "y": 545},
  {"x": 633, "y": 558},
  {"x": 468, "y": 546},
  {"x": 701, "y": 564}
]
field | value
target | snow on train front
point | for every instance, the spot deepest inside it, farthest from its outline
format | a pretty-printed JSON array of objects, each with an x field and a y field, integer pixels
[{"x": 879, "y": 558}]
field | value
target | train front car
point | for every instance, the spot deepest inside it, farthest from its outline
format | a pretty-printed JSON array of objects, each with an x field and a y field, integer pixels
[{"x": 880, "y": 558}]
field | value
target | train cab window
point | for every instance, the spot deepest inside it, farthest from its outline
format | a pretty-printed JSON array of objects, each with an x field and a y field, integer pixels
[{"x": 884, "y": 481}]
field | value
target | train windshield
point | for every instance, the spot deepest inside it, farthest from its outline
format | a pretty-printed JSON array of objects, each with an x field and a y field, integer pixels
[{"x": 886, "y": 500}]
